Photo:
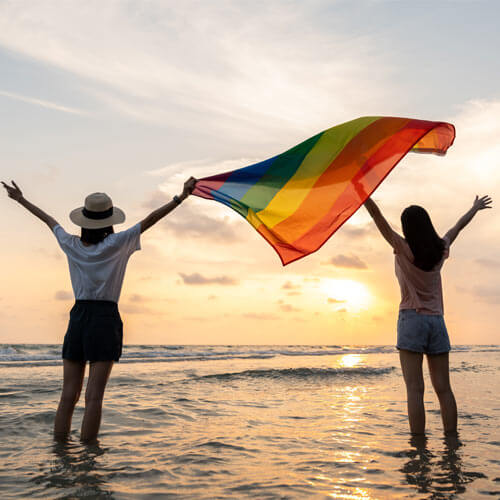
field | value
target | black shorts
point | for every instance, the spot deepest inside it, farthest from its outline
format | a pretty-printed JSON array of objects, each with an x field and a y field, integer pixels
[{"x": 95, "y": 332}]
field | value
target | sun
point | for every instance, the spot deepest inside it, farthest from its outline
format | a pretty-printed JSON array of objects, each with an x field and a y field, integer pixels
[{"x": 349, "y": 294}]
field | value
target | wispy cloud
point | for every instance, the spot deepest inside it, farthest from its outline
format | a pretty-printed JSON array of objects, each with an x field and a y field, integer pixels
[
  {"x": 260, "y": 316},
  {"x": 196, "y": 224},
  {"x": 488, "y": 263},
  {"x": 331, "y": 300},
  {"x": 258, "y": 69},
  {"x": 289, "y": 308},
  {"x": 203, "y": 166},
  {"x": 348, "y": 261},
  {"x": 290, "y": 286},
  {"x": 469, "y": 168},
  {"x": 138, "y": 308},
  {"x": 356, "y": 231},
  {"x": 43, "y": 103},
  {"x": 487, "y": 293},
  {"x": 135, "y": 297},
  {"x": 199, "y": 279}
]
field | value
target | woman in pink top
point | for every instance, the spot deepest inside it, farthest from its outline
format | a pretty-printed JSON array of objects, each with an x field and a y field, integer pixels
[{"x": 419, "y": 257}]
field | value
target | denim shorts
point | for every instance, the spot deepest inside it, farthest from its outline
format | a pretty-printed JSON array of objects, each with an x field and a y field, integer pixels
[
  {"x": 95, "y": 332},
  {"x": 424, "y": 333}
]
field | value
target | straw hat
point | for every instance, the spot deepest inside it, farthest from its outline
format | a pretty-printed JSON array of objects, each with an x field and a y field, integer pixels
[{"x": 98, "y": 212}]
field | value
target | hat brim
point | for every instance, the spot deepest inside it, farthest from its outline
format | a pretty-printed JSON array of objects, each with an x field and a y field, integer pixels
[{"x": 79, "y": 219}]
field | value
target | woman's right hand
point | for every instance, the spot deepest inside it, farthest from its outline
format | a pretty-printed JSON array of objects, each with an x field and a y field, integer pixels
[
  {"x": 482, "y": 203},
  {"x": 479, "y": 204},
  {"x": 13, "y": 191}
]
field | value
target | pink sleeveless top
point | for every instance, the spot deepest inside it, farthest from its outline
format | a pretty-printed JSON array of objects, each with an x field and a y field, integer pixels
[{"x": 420, "y": 290}]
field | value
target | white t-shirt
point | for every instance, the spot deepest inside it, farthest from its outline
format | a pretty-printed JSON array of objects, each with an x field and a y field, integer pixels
[{"x": 97, "y": 271}]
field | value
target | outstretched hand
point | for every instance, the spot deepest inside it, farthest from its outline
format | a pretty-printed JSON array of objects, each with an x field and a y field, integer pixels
[
  {"x": 360, "y": 190},
  {"x": 482, "y": 203},
  {"x": 189, "y": 187},
  {"x": 13, "y": 191}
]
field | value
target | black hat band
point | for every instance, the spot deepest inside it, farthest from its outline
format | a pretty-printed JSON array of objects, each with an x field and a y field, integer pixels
[{"x": 97, "y": 215}]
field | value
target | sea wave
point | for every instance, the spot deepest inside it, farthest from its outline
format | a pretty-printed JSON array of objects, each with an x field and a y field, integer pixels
[
  {"x": 33, "y": 352},
  {"x": 50, "y": 354},
  {"x": 302, "y": 373},
  {"x": 464, "y": 366}
]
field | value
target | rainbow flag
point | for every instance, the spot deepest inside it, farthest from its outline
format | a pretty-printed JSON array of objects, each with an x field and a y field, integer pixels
[{"x": 298, "y": 199}]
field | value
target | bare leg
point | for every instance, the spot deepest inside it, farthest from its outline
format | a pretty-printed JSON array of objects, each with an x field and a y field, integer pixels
[
  {"x": 98, "y": 377},
  {"x": 440, "y": 377},
  {"x": 411, "y": 364},
  {"x": 72, "y": 386}
]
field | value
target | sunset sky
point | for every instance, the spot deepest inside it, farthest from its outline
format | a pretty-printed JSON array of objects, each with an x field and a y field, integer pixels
[{"x": 131, "y": 98}]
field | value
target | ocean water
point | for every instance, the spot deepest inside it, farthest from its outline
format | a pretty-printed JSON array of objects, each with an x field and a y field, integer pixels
[{"x": 263, "y": 422}]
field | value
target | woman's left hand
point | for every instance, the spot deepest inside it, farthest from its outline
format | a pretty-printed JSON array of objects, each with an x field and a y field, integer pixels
[
  {"x": 13, "y": 191},
  {"x": 482, "y": 203},
  {"x": 189, "y": 187}
]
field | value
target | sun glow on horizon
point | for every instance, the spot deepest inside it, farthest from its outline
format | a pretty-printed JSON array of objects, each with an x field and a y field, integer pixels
[{"x": 349, "y": 294}]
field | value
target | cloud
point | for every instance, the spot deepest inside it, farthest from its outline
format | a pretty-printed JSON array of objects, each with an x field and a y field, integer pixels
[
  {"x": 331, "y": 300},
  {"x": 348, "y": 261},
  {"x": 289, "y": 308},
  {"x": 63, "y": 295},
  {"x": 484, "y": 293},
  {"x": 257, "y": 68},
  {"x": 195, "y": 218},
  {"x": 42, "y": 103},
  {"x": 488, "y": 263},
  {"x": 290, "y": 286},
  {"x": 203, "y": 166},
  {"x": 260, "y": 316},
  {"x": 198, "y": 279},
  {"x": 156, "y": 200},
  {"x": 135, "y": 297},
  {"x": 478, "y": 149},
  {"x": 356, "y": 231},
  {"x": 308, "y": 279},
  {"x": 487, "y": 293},
  {"x": 197, "y": 225},
  {"x": 128, "y": 308},
  {"x": 138, "y": 304},
  {"x": 447, "y": 185}
]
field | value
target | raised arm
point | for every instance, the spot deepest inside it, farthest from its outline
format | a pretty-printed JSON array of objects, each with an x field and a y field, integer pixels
[
  {"x": 479, "y": 204},
  {"x": 383, "y": 226},
  {"x": 16, "y": 194},
  {"x": 159, "y": 213}
]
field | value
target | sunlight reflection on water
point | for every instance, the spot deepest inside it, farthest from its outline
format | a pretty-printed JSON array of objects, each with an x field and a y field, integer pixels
[{"x": 351, "y": 360}]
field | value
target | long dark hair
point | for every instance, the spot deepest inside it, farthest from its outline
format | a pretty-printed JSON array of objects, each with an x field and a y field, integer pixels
[
  {"x": 427, "y": 247},
  {"x": 94, "y": 236}
]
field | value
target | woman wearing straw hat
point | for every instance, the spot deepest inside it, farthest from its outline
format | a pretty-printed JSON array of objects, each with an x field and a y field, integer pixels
[{"x": 97, "y": 261}]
